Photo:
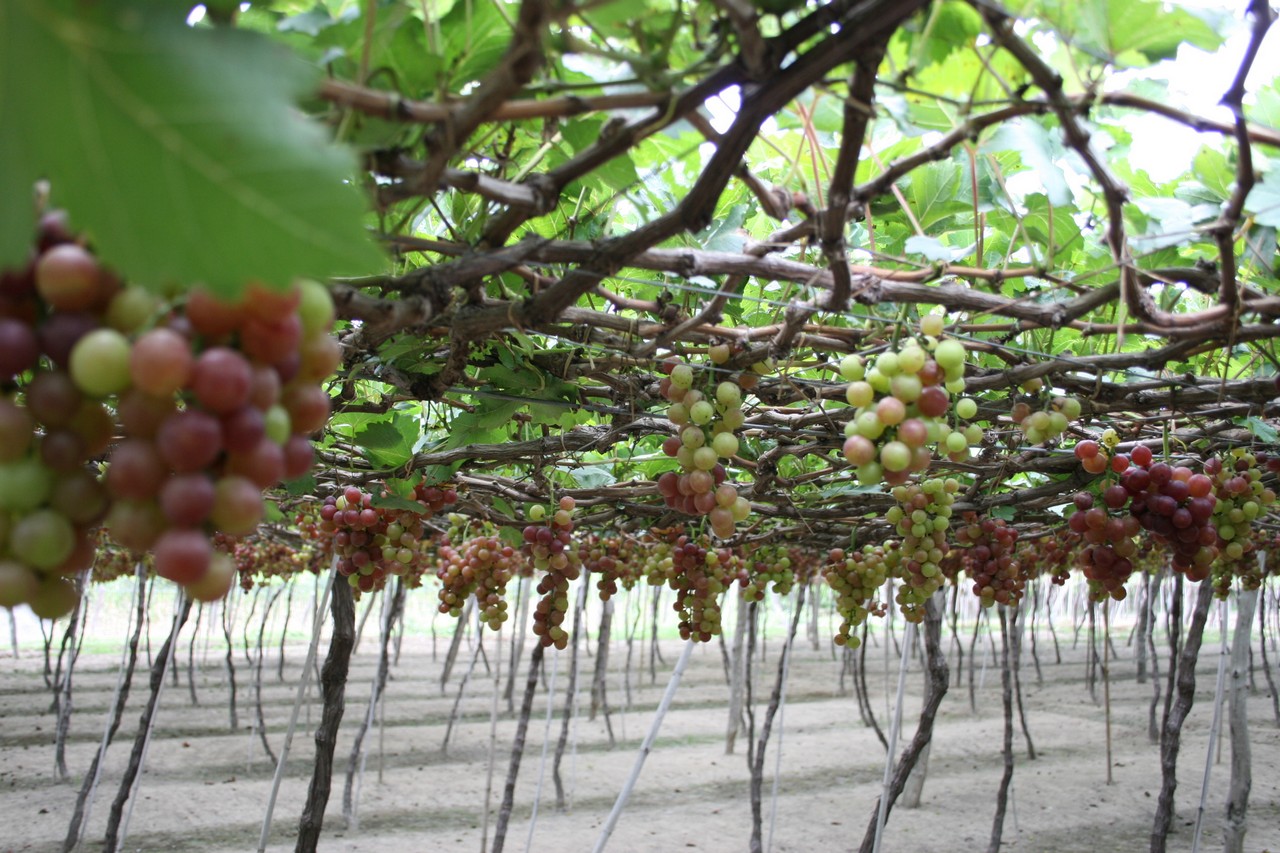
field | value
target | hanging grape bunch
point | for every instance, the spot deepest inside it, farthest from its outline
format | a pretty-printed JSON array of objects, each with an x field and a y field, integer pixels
[
  {"x": 699, "y": 575},
  {"x": 706, "y": 435},
  {"x": 480, "y": 565},
  {"x": 922, "y": 518},
  {"x": 1047, "y": 423},
  {"x": 987, "y": 553},
  {"x": 901, "y": 401},
  {"x": 1242, "y": 498},
  {"x": 215, "y": 401},
  {"x": 855, "y": 578},
  {"x": 769, "y": 564},
  {"x": 549, "y": 547}
]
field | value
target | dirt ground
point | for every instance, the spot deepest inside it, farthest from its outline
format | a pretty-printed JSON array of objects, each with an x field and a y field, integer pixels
[{"x": 206, "y": 785}]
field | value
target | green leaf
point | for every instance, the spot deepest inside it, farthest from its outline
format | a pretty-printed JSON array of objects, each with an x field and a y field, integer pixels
[
  {"x": 935, "y": 193},
  {"x": 1261, "y": 430},
  {"x": 593, "y": 476},
  {"x": 931, "y": 247},
  {"x": 177, "y": 149},
  {"x": 397, "y": 502},
  {"x": 1040, "y": 153},
  {"x": 1264, "y": 200}
]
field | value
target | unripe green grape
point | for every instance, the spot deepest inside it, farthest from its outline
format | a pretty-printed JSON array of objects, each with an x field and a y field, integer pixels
[
  {"x": 693, "y": 437},
  {"x": 537, "y": 512},
  {"x": 278, "y": 424},
  {"x": 966, "y": 407},
  {"x": 685, "y": 456},
  {"x": 957, "y": 443},
  {"x": 949, "y": 355},
  {"x": 852, "y": 368},
  {"x": 955, "y": 386},
  {"x": 906, "y": 387},
  {"x": 725, "y": 445},
  {"x": 729, "y": 395},
  {"x": 1057, "y": 423},
  {"x": 869, "y": 425},
  {"x": 733, "y": 419},
  {"x": 877, "y": 380},
  {"x": 99, "y": 363},
  {"x": 932, "y": 324},
  {"x": 24, "y": 484},
  {"x": 870, "y": 473},
  {"x": 911, "y": 358},
  {"x": 973, "y": 433},
  {"x": 859, "y": 394},
  {"x": 741, "y": 509},
  {"x": 1069, "y": 406},
  {"x": 718, "y": 353},
  {"x": 678, "y": 414},
  {"x": 701, "y": 413},
  {"x": 682, "y": 376},
  {"x": 705, "y": 458},
  {"x": 887, "y": 364},
  {"x": 895, "y": 456}
]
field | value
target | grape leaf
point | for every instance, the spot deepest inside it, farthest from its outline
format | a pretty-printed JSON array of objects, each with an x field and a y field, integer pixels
[{"x": 177, "y": 150}]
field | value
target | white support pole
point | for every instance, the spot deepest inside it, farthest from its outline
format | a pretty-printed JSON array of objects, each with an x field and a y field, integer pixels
[{"x": 645, "y": 749}]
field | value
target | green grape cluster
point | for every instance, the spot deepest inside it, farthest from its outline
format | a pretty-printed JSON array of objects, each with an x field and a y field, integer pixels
[
  {"x": 901, "y": 400},
  {"x": 855, "y": 578},
  {"x": 922, "y": 517}
]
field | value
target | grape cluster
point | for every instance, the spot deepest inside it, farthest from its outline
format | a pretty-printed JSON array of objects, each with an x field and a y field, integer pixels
[
  {"x": 900, "y": 401},
  {"x": 767, "y": 564},
  {"x": 1242, "y": 498},
  {"x": 699, "y": 575},
  {"x": 214, "y": 400},
  {"x": 260, "y": 559},
  {"x": 1039, "y": 426},
  {"x": 922, "y": 518},
  {"x": 371, "y": 542},
  {"x": 478, "y": 565},
  {"x": 549, "y": 547},
  {"x": 612, "y": 559},
  {"x": 1175, "y": 505},
  {"x": 1107, "y": 534},
  {"x": 706, "y": 427},
  {"x": 855, "y": 578},
  {"x": 988, "y": 554}
]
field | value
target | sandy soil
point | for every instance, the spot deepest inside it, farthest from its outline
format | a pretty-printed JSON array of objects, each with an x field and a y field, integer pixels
[{"x": 206, "y": 785}]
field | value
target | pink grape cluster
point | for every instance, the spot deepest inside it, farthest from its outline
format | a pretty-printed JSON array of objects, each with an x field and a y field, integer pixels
[
  {"x": 548, "y": 544},
  {"x": 987, "y": 551},
  {"x": 214, "y": 399},
  {"x": 480, "y": 566},
  {"x": 370, "y": 543}
]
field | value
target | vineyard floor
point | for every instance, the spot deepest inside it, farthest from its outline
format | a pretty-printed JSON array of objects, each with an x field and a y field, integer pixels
[{"x": 205, "y": 786}]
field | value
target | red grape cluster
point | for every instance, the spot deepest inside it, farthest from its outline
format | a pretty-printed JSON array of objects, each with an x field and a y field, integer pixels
[
  {"x": 549, "y": 548},
  {"x": 214, "y": 401},
  {"x": 1173, "y": 504},
  {"x": 372, "y": 542},
  {"x": 855, "y": 578},
  {"x": 706, "y": 436},
  {"x": 987, "y": 553},
  {"x": 612, "y": 559}
]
